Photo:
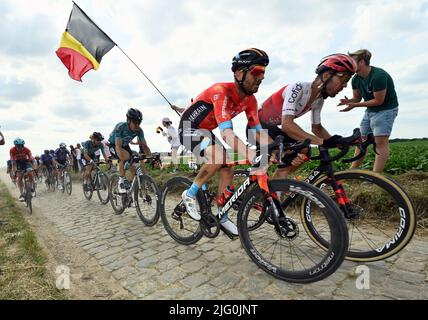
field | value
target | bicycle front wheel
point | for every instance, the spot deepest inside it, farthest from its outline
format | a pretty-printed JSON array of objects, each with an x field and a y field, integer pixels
[
  {"x": 279, "y": 245},
  {"x": 179, "y": 225},
  {"x": 385, "y": 219},
  {"x": 28, "y": 197},
  {"x": 117, "y": 200},
  {"x": 147, "y": 200}
]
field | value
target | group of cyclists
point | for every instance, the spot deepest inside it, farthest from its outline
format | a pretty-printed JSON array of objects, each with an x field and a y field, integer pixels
[
  {"x": 215, "y": 107},
  {"x": 22, "y": 161},
  {"x": 219, "y": 104}
]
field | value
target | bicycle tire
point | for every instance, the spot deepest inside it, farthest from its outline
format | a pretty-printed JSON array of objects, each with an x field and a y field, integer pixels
[
  {"x": 28, "y": 197},
  {"x": 330, "y": 259},
  {"x": 53, "y": 182},
  {"x": 148, "y": 220},
  {"x": 104, "y": 184},
  {"x": 172, "y": 188},
  {"x": 398, "y": 202},
  {"x": 68, "y": 183},
  {"x": 116, "y": 200},
  {"x": 88, "y": 192}
]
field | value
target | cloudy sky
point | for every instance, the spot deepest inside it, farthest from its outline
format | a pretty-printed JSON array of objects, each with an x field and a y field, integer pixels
[{"x": 185, "y": 46}]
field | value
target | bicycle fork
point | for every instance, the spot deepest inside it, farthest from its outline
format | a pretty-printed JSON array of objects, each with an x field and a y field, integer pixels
[{"x": 342, "y": 199}]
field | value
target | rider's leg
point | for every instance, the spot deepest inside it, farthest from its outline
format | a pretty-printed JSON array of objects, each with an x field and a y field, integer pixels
[
  {"x": 31, "y": 175},
  {"x": 213, "y": 154},
  {"x": 382, "y": 146},
  {"x": 225, "y": 178},
  {"x": 359, "y": 162},
  {"x": 20, "y": 182},
  {"x": 123, "y": 155},
  {"x": 87, "y": 174}
]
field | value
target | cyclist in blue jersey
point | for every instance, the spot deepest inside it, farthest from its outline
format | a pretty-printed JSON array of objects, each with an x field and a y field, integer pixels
[
  {"x": 61, "y": 158},
  {"x": 90, "y": 147},
  {"x": 122, "y": 135},
  {"x": 46, "y": 160}
]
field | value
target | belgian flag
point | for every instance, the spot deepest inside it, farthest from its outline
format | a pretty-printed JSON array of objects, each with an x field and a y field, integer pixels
[{"x": 83, "y": 44}]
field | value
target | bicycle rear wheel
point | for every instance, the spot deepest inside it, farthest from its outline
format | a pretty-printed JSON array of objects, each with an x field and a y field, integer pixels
[
  {"x": 147, "y": 200},
  {"x": 283, "y": 249},
  {"x": 103, "y": 188},
  {"x": 179, "y": 225},
  {"x": 117, "y": 200},
  {"x": 385, "y": 219}
]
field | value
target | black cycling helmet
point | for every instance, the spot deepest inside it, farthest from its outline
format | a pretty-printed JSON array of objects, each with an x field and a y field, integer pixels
[
  {"x": 249, "y": 57},
  {"x": 46, "y": 152},
  {"x": 134, "y": 115},
  {"x": 98, "y": 136}
]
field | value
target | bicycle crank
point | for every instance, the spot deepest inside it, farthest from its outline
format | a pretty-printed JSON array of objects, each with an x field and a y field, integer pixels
[
  {"x": 288, "y": 228},
  {"x": 210, "y": 225}
]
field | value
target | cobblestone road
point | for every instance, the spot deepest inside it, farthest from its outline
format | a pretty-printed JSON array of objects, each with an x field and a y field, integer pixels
[{"x": 150, "y": 265}]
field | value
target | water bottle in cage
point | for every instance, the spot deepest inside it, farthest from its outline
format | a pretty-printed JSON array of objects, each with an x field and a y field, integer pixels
[{"x": 225, "y": 196}]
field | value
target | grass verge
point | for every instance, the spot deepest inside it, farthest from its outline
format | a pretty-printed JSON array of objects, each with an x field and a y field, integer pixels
[{"x": 23, "y": 271}]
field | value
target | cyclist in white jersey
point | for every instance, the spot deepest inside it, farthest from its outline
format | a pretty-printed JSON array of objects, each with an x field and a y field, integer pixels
[{"x": 293, "y": 101}]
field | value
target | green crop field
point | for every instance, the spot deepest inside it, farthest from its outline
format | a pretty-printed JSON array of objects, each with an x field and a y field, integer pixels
[{"x": 404, "y": 157}]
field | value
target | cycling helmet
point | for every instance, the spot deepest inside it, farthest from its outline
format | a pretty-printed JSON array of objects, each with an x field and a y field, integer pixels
[
  {"x": 37, "y": 157},
  {"x": 337, "y": 62},
  {"x": 62, "y": 145},
  {"x": 18, "y": 142},
  {"x": 97, "y": 136},
  {"x": 46, "y": 152},
  {"x": 249, "y": 57},
  {"x": 134, "y": 115}
]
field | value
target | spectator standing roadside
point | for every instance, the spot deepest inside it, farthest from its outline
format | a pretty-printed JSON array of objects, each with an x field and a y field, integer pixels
[
  {"x": 73, "y": 159},
  {"x": 376, "y": 87},
  {"x": 172, "y": 136},
  {"x": 78, "y": 152}
]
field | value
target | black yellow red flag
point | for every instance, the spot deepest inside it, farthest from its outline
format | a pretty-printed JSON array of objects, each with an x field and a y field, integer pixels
[{"x": 83, "y": 44}]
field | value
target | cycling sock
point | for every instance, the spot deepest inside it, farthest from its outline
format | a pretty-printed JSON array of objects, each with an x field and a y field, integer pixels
[{"x": 193, "y": 191}]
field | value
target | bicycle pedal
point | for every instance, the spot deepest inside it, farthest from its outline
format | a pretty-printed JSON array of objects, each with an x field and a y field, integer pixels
[{"x": 228, "y": 234}]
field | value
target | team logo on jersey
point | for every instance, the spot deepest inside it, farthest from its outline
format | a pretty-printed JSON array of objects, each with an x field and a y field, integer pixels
[{"x": 295, "y": 93}]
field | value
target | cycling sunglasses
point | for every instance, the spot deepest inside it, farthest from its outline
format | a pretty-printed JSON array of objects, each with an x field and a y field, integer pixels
[
  {"x": 257, "y": 70},
  {"x": 344, "y": 77}
]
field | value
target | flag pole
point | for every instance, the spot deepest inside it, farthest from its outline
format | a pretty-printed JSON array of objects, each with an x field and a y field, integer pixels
[
  {"x": 163, "y": 96},
  {"x": 139, "y": 69}
]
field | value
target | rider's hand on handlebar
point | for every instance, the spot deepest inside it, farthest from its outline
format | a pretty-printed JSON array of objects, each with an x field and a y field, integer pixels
[{"x": 299, "y": 160}]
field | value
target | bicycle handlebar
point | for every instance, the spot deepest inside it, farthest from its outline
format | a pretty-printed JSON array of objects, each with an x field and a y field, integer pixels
[
  {"x": 135, "y": 159},
  {"x": 344, "y": 144},
  {"x": 289, "y": 150}
]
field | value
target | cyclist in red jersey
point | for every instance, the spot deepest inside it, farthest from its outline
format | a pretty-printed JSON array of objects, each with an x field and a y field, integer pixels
[
  {"x": 22, "y": 160},
  {"x": 216, "y": 107},
  {"x": 293, "y": 101}
]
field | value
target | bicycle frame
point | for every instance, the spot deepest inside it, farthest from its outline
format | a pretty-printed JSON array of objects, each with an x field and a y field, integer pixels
[
  {"x": 261, "y": 179},
  {"x": 325, "y": 167}
]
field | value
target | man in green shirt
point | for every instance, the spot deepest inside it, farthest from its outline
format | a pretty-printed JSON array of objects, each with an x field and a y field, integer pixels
[{"x": 376, "y": 87}]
